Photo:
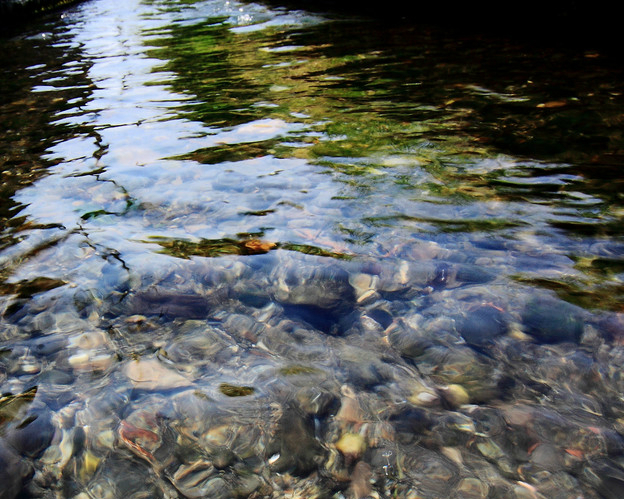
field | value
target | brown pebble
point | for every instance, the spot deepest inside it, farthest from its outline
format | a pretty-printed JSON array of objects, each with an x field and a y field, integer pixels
[{"x": 360, "y": 481}]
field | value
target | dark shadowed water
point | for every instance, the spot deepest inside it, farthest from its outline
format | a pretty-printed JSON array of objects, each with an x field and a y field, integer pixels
[{"x": 256, "y": 252}]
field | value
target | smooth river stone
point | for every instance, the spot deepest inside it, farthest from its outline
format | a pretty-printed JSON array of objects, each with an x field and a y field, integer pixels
[
  {"x": 482, "y": 325},
  {"x": 162, "y": 302},
  {"x": 13, "y": 472},
  {"x": 322, "y": 287},
  {"x": 553, "y": 321},
  {"x": 32, "y": 435},
  {"x": 150, "y": 374}
]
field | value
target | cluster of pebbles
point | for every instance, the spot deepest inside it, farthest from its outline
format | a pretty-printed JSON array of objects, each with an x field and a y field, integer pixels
[{"x": 282, "y": 374}]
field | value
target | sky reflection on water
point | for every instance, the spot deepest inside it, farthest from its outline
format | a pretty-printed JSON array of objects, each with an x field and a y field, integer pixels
[{"x": 422, "y": 136}]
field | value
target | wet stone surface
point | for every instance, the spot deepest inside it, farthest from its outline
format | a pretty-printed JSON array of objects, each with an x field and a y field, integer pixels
[{"x": 255, "y": 402}]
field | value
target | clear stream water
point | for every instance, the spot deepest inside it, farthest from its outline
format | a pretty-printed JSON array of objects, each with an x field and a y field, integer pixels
[{"x": 242, "y": 210}]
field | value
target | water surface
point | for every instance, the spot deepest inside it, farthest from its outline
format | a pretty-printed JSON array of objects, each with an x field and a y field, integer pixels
[{"x": 231, "y": 232}]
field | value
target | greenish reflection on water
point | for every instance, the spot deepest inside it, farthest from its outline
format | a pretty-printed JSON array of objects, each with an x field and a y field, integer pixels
[
  {"x": 432, "y": 132},
  {"x": 409, "y": 130},
  {"x": 422, "y": 133}
]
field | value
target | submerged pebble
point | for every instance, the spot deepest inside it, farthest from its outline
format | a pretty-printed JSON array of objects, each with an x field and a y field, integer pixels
[
  {"x": 13, "y": 472},
  {"x": 323, "y": 286},
  {"x": 351, "y": 445},
  {"x": 482, "y": 325},
  {"x": 150, "y": 374},
  {"x": 409, "y": 341},
  {"x": 553, "y": 321}
]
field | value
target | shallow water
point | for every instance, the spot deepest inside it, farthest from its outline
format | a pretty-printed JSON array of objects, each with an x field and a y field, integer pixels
[{"x": 253, "y": 252}]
